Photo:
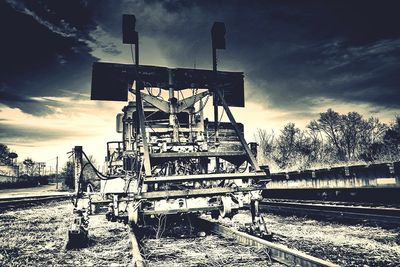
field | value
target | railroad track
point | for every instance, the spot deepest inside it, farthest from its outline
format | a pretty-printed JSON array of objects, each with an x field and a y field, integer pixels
[
  {"x": 15, "y": 201},
  {"x": 340, "y": 211},
  {"x": 276, "y": 252}
]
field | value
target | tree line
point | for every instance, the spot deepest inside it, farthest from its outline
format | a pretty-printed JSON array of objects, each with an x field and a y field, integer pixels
[
  {"x": 331, "y": 139},
  {"x": 6, "y": 156}
]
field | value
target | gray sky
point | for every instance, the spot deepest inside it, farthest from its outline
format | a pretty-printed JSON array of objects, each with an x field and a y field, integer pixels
[{"x": 299, "y": 59}]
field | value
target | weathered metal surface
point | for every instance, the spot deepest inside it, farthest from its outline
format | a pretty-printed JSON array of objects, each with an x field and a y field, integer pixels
[
  {"x": 177, "y": 155},
  {"x": 197, "y": 177},
  {"x": 167, "y": 143},
  {"x": 383, "y": 175},
  {"x": 277, "y": 252},
  {"x": 111, "y": 81},
  {"x": 176, "y": 211},
  {"x": 194, "y": 192}
]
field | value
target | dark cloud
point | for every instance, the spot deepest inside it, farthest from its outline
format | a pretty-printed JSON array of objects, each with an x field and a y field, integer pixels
[
  {"x": 10, "y": 133},
  {"x": 43, "y": 53},
  {"x": 36, "y": 107}
]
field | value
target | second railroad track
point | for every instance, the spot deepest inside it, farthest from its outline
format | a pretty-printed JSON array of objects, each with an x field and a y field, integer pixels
[{"x": 352, "y": 212}]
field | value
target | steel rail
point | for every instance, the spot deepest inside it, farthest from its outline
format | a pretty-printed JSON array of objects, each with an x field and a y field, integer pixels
[
  {"x": 373, "y": 214},
  {"x": 336, "y": 202},
  {"x": 137, "y": 259},
  {"x": 18, "y": 200},
  {"x": 277, "y": 252}
]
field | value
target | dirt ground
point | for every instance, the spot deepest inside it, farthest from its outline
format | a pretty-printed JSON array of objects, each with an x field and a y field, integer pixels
[{"x": 36, "y": 236}]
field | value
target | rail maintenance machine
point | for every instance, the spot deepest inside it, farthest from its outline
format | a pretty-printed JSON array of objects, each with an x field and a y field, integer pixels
[{"x": 170, "y": 159}]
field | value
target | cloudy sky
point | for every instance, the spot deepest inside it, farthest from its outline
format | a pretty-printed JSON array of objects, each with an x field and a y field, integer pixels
[{"x": 298, "y": 58}]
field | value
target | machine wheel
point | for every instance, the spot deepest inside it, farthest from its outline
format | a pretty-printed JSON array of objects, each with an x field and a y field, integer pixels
[{"x": 226, "y": 210}]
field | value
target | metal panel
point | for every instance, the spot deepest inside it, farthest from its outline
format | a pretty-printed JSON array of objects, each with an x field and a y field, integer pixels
[
  {"x": 111, "y": 81},
  {"x": 231, "y": 84}
]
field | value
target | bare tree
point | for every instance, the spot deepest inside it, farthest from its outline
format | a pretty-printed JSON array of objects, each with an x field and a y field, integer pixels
[
  {"x": 330, "y": 122},
  {"x": 351, "y": 127},
  {"x": 286, "y": 145},
  {"x": 333, "y": 138},
  {"x": 29, "y": 166},
  {"x": 67, "y": 174},
  {"x": 391, "y": 140},
  {"x": 316, "y": 141},
  {"x": 371, "y": 145},
  {"x": 266, "y": 141}
]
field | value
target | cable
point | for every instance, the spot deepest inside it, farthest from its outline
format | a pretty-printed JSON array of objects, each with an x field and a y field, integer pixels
[
  {"x": 79, "y": 184},
  {"x": 98, "y": 173},
  {"x": 151, "y": 92},
  {"x": 130, "y": 179}
]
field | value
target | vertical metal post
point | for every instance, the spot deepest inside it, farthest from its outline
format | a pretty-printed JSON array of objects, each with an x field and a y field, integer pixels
[
  {"x": 140, "y": 127},
  {"x": 218, "y": 42},
  {"x": 138, "y": 88},
  {"x": 172, "y": 108},
  {"x": 77, "y": 167},
  {"x": 215, "y": 97},
  {"x": 57, "y": 172}
]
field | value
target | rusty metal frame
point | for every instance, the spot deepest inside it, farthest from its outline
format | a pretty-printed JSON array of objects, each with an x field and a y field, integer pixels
[
  {"x": 195, "y": 192},
  {"x": 205, "y": 176}
]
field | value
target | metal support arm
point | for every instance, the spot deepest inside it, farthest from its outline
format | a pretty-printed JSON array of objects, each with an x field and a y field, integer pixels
[
  {"x": 252, "y": 160},
  {"x": 164, "y": 105},
  {"x": 140, "y": 112},
  {"x": 154, "y": 101},
  {"x": 190, "y": 101}
]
